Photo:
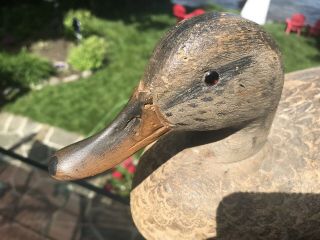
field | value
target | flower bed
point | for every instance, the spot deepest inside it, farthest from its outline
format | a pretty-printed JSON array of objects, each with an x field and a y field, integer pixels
[{"x": 121, "y": 177}]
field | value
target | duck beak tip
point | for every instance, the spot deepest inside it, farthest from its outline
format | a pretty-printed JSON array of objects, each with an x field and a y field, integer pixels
[{"x": 52, "y": 167}]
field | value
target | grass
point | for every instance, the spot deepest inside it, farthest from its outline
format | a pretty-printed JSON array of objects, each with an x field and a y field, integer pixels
[
  {"x": 18, "y": 72},
  {"x": 89, "y": 104},
  {"x": 298, "y": 52},
  {"x": 23, "y": 69},
  {"x": 81, "y": 105}
]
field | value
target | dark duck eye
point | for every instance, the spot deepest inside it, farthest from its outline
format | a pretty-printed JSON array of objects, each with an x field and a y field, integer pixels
[{"x": 211, "y": 78}]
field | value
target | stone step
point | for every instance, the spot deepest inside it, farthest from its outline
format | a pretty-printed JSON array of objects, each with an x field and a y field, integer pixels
[{"x": 36, "y": 206}]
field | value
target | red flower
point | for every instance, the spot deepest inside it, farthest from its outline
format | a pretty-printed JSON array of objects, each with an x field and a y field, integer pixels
[
  {"x": 117, "y": 175},
  {"x": 128, "y": 162},
  {"x": 131, "y": 169}
]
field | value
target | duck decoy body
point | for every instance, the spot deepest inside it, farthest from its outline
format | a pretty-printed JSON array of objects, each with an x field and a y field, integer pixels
[{"x": 227, "y": 163}]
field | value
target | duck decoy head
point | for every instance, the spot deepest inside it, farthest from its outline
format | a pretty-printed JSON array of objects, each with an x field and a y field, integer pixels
[{"x": 210, "y": 72}]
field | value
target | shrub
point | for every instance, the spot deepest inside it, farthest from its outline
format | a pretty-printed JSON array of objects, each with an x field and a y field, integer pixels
[
  {"x": 90, "y": 25},
  {"x": 22, "y": 70},
  {"x": 89, "y": 54},
  {"x": 84, "y": 16}
]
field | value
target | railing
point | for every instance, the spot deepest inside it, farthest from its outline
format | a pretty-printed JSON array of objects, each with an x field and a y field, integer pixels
[{"x": 81, "y": 183}]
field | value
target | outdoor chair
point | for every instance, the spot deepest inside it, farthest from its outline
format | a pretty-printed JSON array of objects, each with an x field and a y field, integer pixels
[
  {"x": 194, "y": 13},
  {"x": 315, "y": 29},
  {"x": 295, "y": 23},
  {"x": 180, "y": 12}
]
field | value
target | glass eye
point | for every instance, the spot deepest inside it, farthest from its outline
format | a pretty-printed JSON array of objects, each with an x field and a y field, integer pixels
[{"x": 211, "y": 78}]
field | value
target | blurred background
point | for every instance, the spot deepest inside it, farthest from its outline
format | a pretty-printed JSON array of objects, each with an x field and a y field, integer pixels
[{"x": 66, "y": 70}]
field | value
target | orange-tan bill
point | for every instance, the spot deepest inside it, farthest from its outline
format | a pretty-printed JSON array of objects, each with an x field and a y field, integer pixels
[{"x": 138, "y": 124}]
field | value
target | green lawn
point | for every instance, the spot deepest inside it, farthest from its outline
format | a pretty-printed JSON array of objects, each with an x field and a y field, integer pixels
[
  {"x": 88, "y": 104},
  {"x": 81, "y": 105},
  {"x": 298, "y": 52}
]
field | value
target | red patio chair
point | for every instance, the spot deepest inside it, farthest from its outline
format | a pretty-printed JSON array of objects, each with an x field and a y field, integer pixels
[
  {"x": 315, "y": 29},
  {"x": 194, "y": 13},
  {"x": 180, "y": 12},
  {"x": 295, "y": 23}
]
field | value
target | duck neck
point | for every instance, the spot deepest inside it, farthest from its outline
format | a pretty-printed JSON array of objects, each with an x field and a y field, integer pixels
[{"x": 245, "y": 142}]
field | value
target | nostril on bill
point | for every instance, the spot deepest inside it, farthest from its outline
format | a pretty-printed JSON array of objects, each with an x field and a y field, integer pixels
[{"x": 52, "y": 168}]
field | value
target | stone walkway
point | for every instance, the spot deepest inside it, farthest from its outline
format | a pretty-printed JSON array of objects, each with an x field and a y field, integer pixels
[
  {"x": 34, "y": 206},
  {"x": 27, "y": 137}
]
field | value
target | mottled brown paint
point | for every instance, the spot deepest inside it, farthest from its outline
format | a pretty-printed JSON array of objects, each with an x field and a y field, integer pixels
[
  {"x": 218, "y": 143},
  {"x": 182, "y": 190}
]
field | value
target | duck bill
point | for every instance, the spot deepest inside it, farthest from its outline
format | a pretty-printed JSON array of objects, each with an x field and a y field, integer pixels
[{"x": 138, "y": 124}]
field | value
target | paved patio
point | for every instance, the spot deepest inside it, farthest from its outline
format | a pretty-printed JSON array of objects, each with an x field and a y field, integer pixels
[{"x": 34, "y": 206}]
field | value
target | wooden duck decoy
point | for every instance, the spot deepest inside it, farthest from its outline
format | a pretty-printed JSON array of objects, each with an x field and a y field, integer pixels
[{"x": 225, "y": 165}]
